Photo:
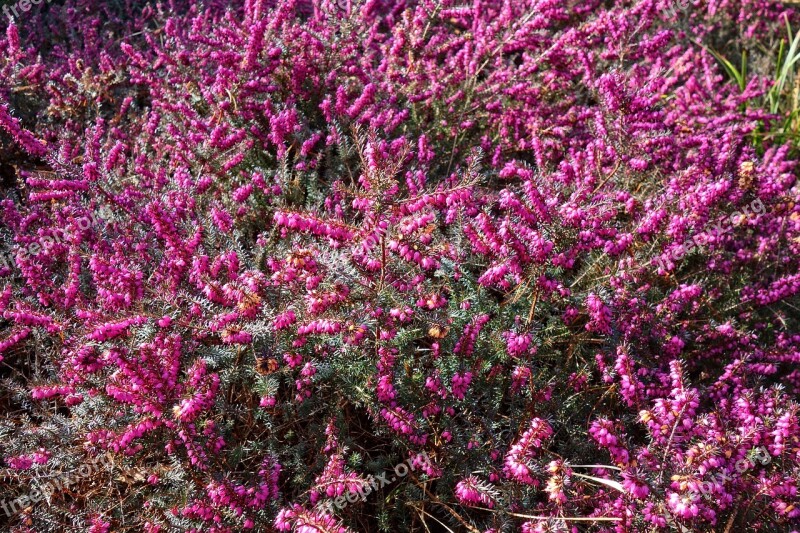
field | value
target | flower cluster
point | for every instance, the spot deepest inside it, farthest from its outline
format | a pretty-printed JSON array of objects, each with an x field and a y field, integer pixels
[
  {"x": 281, "y": 246},
  {"x": 470, "y": 491}
]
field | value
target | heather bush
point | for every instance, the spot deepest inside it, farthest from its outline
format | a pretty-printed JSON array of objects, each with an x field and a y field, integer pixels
[{"x": 387, "y": 265}]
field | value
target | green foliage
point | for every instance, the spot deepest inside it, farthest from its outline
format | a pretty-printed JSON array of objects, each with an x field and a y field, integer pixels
[{"x": 782, "y": 98}]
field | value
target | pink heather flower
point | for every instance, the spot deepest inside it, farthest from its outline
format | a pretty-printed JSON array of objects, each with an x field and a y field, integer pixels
[
  {"x": 600, "y": 315},
  {"x": 682, "y": 506},
  {"x": 634, "y": 485},
  {"x": 402, "y": 315},
  {"x": 293, "y": 359},
  {"x": 470, "y": 491},
  {"x": 268, "y": 402},
  {"x": 13, "y": 339},
  {"x": 466, "y": 343},
  {"x": 11, "y": 124},
  {"x": 236, "y": 337},
  {"x": 299, "y": 520},
  {"x": 111, "y": 330},
  {"x": 320, "y": 327},
  {"x": 560, "y": 479},
  {"x": 284, "y": 320},
  {"x": 460, "y": 384},
  {"x": 519, "y": 459},
  {"x": 517, "y": 344},
  {"x": 45, "y": 393},
  {"x": 99, "y": 526},
  {"x": 602, "y": 431},
  {"x": 19, "y": 463},
  {"x": 335, "y": 480},
  {"x": 520, "y": 377}
]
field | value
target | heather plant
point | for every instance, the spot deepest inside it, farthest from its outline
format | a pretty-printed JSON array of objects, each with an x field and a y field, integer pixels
[{"x": 331, "y": 238}]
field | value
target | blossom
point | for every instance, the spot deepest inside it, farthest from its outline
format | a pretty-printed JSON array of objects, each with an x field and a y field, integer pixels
[
  {"x": 470, "y": 491},
  {"x": 264, "y": 250},
  {"x": 517, "y": 460}
]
